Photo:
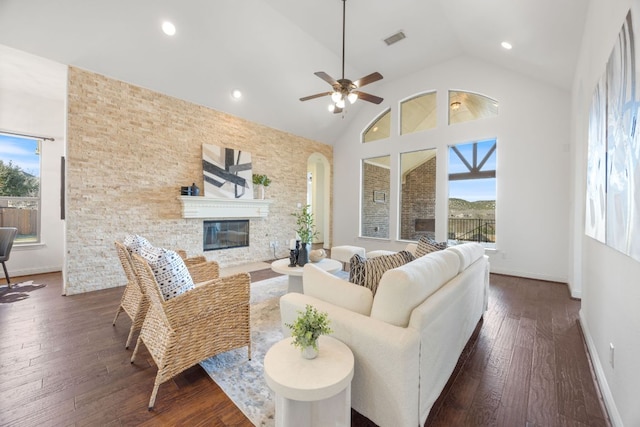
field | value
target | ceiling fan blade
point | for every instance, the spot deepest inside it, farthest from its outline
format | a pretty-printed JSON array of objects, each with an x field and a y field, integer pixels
[
  {"x": 326, "y": 77},
  {"x": 317, "y": 95},
  {"x": 368, "y": 97},
  {"x": 373, "y": 77}
]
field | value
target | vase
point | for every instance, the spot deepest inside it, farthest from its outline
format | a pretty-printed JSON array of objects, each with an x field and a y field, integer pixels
[
  {"x": 262, "y": 192},
  {"x": 317, "y": 255},
  {"x": 309, "y": 352},
  {"x": 303, "y": 254}
]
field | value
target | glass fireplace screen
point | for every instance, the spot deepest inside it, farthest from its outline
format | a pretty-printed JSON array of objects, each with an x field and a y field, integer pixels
[{"x": 225, "y": 234}]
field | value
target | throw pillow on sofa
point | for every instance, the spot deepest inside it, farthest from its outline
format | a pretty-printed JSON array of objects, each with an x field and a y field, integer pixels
[
  {"x": 427, "y": 245},
  {"x": 368, "y": 272},
  {"x": 169, "y": 270},
  {"x": 135, "y": 243}
]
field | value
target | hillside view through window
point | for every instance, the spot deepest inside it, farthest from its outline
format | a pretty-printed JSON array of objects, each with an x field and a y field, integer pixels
[{"x": 472, "y": 192}]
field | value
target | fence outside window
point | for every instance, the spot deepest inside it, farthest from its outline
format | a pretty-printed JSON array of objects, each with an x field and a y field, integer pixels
[
  {"x": 22, "y": 213},
  {"x": 472, "y": 230}
]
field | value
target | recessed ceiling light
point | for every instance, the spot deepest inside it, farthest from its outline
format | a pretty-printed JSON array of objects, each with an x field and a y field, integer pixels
[
  {"x": 236, "y": 94},
  {"x": 506, "y": 45},
  {"x": 168, "y": 28}
]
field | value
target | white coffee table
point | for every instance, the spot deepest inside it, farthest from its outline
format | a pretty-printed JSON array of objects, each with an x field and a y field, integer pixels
[
  {"x": 311, "y": 393},
  {"x": 295, "y": 273}
]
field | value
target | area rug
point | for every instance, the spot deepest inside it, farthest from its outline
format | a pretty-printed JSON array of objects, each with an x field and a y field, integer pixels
[{"x": 241, "y": 379}]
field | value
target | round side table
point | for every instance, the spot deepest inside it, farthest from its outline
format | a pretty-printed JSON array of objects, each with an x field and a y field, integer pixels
[
  {"x": 295, "y": 273},
  {"x": 311, "y": 393}
]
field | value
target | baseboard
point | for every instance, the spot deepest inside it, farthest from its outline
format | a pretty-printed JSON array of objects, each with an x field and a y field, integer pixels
[
  {"x": 536, "y": 276},
  {"x": 574, "y": 294},
  {"x": 31, "y": 271},
  {"x": 607, "y": 397}
]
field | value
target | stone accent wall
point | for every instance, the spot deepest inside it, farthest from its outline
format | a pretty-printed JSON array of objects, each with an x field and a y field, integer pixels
[
  {"x": 418, "y": 199},
  {"x": 375, "y": 216},
  {"x": 129, "y": 150}
]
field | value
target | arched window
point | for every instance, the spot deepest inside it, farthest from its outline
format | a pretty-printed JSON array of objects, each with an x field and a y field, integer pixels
[
  {"x": 379, "y": 129},
  {"x": 471, "y": 170},
  {"x": 418, "y": 113},
  {"x": 468, "y": 106}
]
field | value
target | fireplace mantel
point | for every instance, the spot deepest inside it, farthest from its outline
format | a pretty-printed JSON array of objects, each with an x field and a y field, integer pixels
[{"x": 209, "y": 207}]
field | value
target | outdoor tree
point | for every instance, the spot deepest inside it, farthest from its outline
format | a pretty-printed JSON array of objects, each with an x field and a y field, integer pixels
[{"x": 14, "y": 182}]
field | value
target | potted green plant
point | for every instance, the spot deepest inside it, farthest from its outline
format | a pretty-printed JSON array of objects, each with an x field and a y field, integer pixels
[
  {"x": 262, "y": 181},
  {"x": 306, "y": 330},
  {"x": 306, "y": 230}
]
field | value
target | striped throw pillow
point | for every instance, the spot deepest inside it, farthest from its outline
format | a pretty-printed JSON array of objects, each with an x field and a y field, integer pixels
[
  {"x": 368, "y": 272},
  {"x": 427, "y": 245}
]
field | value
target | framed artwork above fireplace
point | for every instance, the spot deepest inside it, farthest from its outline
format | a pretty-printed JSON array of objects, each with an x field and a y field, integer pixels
[{"x": 227, "y": 172}]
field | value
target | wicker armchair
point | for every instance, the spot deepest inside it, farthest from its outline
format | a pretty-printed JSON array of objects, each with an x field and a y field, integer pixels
[
  {"x": 135, "y": 303},
  {"x": 211, "y": 319}
]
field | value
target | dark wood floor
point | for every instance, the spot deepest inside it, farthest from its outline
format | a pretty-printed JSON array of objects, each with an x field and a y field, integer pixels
[{"x": 62, "y": 363}]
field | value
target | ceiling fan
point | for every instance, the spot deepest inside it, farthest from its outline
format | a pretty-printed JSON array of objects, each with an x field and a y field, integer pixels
[{"x": 345, "y": 89}]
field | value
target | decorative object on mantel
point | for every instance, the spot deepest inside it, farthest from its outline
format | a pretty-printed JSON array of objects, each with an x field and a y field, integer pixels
[
  {"x": 306, "y": 231},
  {"x": 262, "y": 181},
  {"x": 192, "y": 190},
  {"x": 294, "y": 250},
  {"x": 306, "y": 330},
  {"x": 317, "y": 255},
  {"x": 227, "y": 172}
]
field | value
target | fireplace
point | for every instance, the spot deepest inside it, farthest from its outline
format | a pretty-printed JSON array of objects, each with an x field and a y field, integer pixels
[{"x": 225, "y": 234}]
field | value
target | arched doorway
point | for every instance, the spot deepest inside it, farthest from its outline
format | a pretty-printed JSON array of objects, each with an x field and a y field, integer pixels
[{"x": 318, "y": 196}]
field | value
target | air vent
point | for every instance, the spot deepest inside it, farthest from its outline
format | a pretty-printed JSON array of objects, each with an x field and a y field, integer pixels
[{"x": 395, "y": 38}]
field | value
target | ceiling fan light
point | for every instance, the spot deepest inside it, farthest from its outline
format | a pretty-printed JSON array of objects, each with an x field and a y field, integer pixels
[
  {"x": 331, "y": 108},
  {"x": 340, "y": 103},
  {"x": 336, "y": 96},
  {"x": 352, "y": 97}
]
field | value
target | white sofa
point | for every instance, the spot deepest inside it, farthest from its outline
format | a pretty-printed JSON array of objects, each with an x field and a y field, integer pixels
[{"x": 406, "y": 341}]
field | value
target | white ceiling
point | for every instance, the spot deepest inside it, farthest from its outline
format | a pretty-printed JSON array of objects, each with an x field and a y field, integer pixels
[{"x": 269, "y": 49}]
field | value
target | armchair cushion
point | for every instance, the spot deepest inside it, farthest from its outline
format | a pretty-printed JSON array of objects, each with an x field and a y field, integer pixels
[
  {"x": 170, "y": 271},
  {"x": 135, "y": 243}
]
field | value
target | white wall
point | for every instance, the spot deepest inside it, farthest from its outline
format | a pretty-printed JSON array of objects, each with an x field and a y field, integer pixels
[
  {"x": 23, "y": 112},
  {"x": 533, "y": 163},
  {"x": 610, "y": 280}
]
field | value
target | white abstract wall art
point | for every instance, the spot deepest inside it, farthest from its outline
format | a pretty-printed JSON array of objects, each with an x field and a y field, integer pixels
[
  {"x": 227, "y": 172},
  {"x": 623, "y": 101},
  {"x": 595, "y": 225},
  {"x": 621, "y": 181}
]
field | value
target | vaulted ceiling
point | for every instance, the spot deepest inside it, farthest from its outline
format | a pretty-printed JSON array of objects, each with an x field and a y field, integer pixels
[{"x": 269, "y": 49}]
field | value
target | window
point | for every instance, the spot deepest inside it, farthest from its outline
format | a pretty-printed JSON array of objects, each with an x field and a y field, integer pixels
[
  {"x": 418, "y": 113},
  {"x": 379, "y": 129},
  {"x": 468, "y": 106},
  {"x": 418, "y": 194},
  {"x": 472, "y": 192},
  {"x": 20, "y": 186},
  {"x": 376, "y": 183}
]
